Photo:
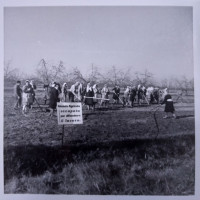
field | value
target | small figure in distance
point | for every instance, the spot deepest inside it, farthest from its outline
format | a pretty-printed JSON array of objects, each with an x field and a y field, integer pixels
[
  {"x": 18, "y": 95},
  {"x": 72, "y": 92},
  {"x": 28, "y": 97},
  {"x": 126, "y": 96},
  {"x": 64, "y": 92},
  {"x": 89, "y": 94},
  {"x": 133, "y": 93},
  {"x": 105, "y": 96},
  {"x": 116, "y": 93},
  {"x": 53, "y": 97},
  {"x": 33, "y": 85},
  {"x": 140, "y": 94},
  {"x": 169, "y": 105},
  {"x": 96, "y": 93}
]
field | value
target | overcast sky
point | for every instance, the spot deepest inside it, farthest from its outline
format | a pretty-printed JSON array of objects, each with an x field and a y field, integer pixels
[{"x": 159, "y": 39}]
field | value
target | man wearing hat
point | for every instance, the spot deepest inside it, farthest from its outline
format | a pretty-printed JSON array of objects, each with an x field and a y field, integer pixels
[{"x": 28, "y": 97}]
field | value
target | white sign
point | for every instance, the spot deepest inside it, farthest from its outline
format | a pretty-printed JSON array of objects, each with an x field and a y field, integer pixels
[{"x": 69, "y": 113}]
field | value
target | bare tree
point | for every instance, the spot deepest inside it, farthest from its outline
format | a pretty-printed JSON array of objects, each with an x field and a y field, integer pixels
[
  {"x": 145, "y": 78},
  {"x": 44, "y": 71},
  {"x": 185, "y": 84},
  {"x": 49, "y": 73},
  {"x": 191, "y": 84},
  {"x": 10, "y": 73},
  {"x": 78, "y": 76},
  {"x": 94, "y": 75},
  {"x": 120, "y": 77},
  {"x": 58, "y": 72}
]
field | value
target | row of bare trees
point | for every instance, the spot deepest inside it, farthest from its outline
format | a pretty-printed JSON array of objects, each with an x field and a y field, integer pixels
[
  {"x": 10, "y": 73},
  {"x": 46, "y": 73}
]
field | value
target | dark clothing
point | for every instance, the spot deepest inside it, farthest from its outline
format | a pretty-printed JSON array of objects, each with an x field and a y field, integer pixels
[
  {"x": 59, "y": 88},
  {"x": 71, "y": 96},
  {"x": 116, "y": 92},
  {"x": 156, "y": 95},
  {"x": 169, "y": 105},
  {"x": 140, "y": 95},
  {"x": 17, "y": 90},
  {"x": 133, "y": 93},
  {"x": 145, "y": 92},
  {"x": 151, "y": 98},
  {"x": 89, "y": 101},
  {"x": 53, "y": 97},
  {"x": 18, "y": 95},
  {"x": 28, "y": 89}
]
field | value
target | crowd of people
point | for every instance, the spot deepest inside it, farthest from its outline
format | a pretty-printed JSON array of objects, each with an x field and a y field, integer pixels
[{"x": 90, "y": 95}]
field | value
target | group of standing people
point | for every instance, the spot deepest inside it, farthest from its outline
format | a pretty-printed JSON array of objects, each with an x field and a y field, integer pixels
[
  {"x": 134, "y": 93},
  {"x": 24, "y": 96},
  {"x": 89, "y": 95}
]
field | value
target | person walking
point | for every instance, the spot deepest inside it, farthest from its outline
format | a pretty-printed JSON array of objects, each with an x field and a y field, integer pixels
[{"x": 169, "y": 105}]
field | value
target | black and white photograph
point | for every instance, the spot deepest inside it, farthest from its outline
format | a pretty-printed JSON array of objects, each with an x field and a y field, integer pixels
[{"x": 99, "y": 100}]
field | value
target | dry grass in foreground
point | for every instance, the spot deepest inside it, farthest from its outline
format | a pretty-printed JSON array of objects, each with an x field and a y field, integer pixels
[{"x": 149, "y": 167}]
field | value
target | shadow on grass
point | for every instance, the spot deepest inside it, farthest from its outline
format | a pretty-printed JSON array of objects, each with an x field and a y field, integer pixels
[{"x": 35, "y": 160}]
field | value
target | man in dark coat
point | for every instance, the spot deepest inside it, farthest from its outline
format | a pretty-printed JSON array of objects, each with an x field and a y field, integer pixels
[
  {"x": 53, "y": 98},
  {"x": 133, "y": 93},
  {"x": 18, "y": 95},
  {"x": 116, "y": 93},
  {"x": 156, "y": 94}
]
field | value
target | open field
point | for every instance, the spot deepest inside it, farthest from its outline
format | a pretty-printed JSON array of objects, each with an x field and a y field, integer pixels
[{"x": 115, "y": 151}]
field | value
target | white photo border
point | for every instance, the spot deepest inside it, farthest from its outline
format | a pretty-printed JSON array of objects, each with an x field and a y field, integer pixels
[{"x": 196, "y": 49}]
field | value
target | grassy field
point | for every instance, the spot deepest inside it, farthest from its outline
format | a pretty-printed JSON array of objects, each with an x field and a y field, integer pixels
[{"x": 117, "y": 151}]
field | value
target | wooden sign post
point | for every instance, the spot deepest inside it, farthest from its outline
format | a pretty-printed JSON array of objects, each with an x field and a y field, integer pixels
[{"x": 69, "y": 113}]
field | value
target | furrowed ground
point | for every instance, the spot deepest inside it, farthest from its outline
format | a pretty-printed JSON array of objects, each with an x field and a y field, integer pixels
[{"x": 115, "y": 151}]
